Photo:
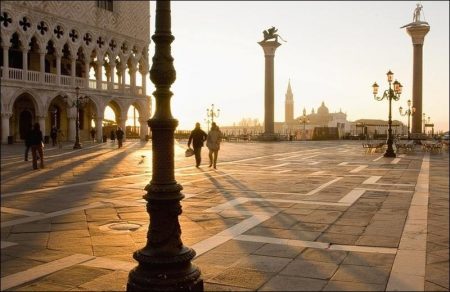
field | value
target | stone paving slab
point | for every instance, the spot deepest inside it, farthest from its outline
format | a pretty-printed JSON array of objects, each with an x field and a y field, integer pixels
[{"x": 289, "y": 216}]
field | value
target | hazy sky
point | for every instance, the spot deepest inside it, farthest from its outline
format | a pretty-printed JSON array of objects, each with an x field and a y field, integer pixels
[{"x": 334, "y": 52}]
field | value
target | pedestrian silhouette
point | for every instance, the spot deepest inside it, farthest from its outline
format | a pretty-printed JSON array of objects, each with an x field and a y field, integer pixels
[
  {"x": 197, "y": 137},
  {"x": 119, "y": 134},
  {"x": 213, "y": 143},
  {"x": 53, "y": 135},
  {"x": 37, "y": 145}
]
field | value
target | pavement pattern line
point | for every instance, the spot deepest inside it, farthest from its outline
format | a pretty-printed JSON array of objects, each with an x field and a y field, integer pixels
[
  {"x": 5, "y": 244},
  {"x": 396, "y": 161},
  {"x": 384, "y": 190},
  {"x": 19, "y": 211},
  {"x": 50, "y": 215},
  {"x": 229, "y": 233},
  {"x": 34, "y": 273},
  {"x": 408, "y": 269},
  {"x": 374, "y": 179},
  {"x": 316, "y": 244},
  {"x": 321, "y": 187},
  {"x": 276, "y": 166},
  {"x": 378, "y": 158}
]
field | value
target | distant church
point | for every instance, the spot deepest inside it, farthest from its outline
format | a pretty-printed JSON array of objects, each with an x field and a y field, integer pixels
[{"x": 308, "y": 125}]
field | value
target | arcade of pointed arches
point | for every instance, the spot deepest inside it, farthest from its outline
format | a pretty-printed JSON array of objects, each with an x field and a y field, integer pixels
[{"x": 60, "y": 57}]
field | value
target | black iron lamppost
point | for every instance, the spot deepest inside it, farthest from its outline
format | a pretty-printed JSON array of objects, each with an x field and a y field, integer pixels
[
  {"x": 210, "y": 113},
  {"x": 79, "y": 102},
  {"x": 164, "y": 264},
  {"x": 408, "y": 112},
  {"x": 304, "y": 120},
  {"x": 55, "y": 115},
  {"x": 389, "y": 94}
]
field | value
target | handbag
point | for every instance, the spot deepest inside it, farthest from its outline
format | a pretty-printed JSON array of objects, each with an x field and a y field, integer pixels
[{"x": 189, "y": 152}]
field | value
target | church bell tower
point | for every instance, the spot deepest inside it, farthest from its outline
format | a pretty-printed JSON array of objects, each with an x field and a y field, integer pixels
[{"x": 289, "y": 105}]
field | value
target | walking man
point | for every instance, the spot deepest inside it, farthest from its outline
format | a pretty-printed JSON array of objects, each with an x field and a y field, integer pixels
[{"x": 197, "y": 137}]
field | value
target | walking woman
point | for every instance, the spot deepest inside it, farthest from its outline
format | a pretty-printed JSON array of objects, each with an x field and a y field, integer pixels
[
  {"x": 37, "y": 145},
  {"x": 213, "y": 143}
]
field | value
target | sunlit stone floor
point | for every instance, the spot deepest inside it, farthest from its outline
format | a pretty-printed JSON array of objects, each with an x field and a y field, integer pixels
[{"x": 273, "y": 216}]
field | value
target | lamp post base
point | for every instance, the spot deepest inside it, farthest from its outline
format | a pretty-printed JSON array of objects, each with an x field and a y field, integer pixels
[
  {"x": 77, "y": 145},
  {"x": 177, "y": 274},
  {"x": 389, "y": 153}
]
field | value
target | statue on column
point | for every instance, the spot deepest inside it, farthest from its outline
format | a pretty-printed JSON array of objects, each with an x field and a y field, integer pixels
[
  {"x": 271, "y": 33},
  {"x": 416, "y": 17}
]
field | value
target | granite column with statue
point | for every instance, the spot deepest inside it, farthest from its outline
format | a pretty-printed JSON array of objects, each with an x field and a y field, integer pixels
[
  {"x": 269, "y": 48},
  {"x": 417, "y": 30}
]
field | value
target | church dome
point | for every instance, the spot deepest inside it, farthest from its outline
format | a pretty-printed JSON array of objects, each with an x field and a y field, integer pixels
[{"x": 322, "y": 110}]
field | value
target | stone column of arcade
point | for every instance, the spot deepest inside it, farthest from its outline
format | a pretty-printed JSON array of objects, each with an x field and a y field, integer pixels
[
  {"x": 269, "y": 48},
  {"x": 417, "y": 30},
  {"x": 164, "y": 262}
]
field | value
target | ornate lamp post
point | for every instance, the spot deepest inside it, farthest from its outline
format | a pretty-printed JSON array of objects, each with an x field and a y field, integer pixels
[
  {"x": 304, "y": 120},
  {"x": 79, "y": 102},
  {"x": 408, "y": 113},
  {"x": 207, "y": 121},
  {"x": 210, "y": 113},
  {"x": 164, "y": 264},
  {"x": 55, "y": 115},
  {"x": 424, "y": 121},
  {"x": 389, "y": 94}
]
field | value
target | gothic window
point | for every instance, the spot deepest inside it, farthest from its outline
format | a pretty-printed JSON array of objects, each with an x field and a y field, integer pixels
[
  {"x": 42, "y": 27},
  {"x": 112, "y": 45},
  {"x": 87, "y": 39},
  {"x": 5, "y": 19},
  {"x": 105, "y": 4},
  {"x": 24, "y": 23},
  {"x": 124, "y": 48},
  {"x": 100, "y": 42},
  {"x": 73, "y": 35},
  {"x": 58, "y": 31}
]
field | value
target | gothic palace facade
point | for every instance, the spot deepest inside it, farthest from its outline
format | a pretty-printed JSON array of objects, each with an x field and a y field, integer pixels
[{"x": 49, "y": 49}]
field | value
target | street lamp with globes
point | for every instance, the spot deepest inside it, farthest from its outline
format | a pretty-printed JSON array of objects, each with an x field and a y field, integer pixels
[
  {"x": 79, "y": 102},
  {"x": 408, "y": 112},
  {"x": 210, "y": 113},
  {"x": 389, "y": 94}
]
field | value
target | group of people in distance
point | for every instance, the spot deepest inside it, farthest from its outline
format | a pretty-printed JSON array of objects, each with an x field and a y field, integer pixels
[
  {"x": 213, "y": 139},
  {"x": 34, "y": 140}
]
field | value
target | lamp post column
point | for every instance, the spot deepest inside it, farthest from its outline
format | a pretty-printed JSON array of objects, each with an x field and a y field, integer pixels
[
  {"x": 164, "y": 264},
  {"x": 390, "y": 150},
  {"x": 77, "y": 144}
]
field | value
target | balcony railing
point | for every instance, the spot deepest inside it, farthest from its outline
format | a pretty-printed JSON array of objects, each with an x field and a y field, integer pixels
[
  {"x": 66, "y": 80},
  {"x": 15, "y": 74},
  {"x": 33, "y": 76},
  {"x": 50, "y": 78}
]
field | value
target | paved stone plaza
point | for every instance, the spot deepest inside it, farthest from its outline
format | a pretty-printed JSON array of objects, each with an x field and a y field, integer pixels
[{"x": 288, "y": 216}]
